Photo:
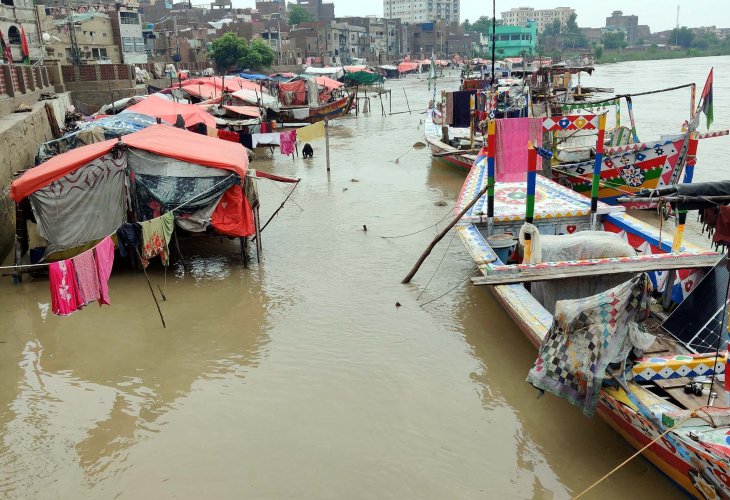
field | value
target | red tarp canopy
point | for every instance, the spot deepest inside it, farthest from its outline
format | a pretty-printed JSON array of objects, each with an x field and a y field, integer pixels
[
  {"x": 293, "y": 93},
  {"x": 251, "y": 111},
  {"x": 355, "y": 69},
  {"x": 159, "y": 107},
  {"x": 159, "y": 139},
  {"x": 407, "y": 66}
]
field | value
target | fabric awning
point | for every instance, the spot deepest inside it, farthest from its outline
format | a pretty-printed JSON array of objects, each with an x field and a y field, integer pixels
[
  {"x": 168, "y": 111},
  {"x": 251, "y": 111}
]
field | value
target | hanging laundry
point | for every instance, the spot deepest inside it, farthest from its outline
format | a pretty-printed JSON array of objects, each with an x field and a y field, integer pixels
[
  {"x": 227, "y": 135},
  {"x": 311, "y": 132},
  {"x": 64, "y": 292},
  {"x": 722, "y": 227},
  {"x": 286, "y": 142},
  {"x": 265, "y": 127},
  {"x": 265, "y": 139},
  {"x": 156, "y": 234},
  {"x": 87, "y": 277},
  {"x": 129, "y": 235},
  {"x": 104, "y": 255}
]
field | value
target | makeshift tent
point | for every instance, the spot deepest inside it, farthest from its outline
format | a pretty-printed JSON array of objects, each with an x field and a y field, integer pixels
[
  {"x": 254, "y": 97},
  {"x": 168, "y": 111},
  {"x": 363, "y": 78},
  {"x": 120, "y": 105},
  {"x": 250, "y": 111},
  {"x": 95, "y": 131},
  {"x": 328, "y": 83},
  {"x": 406, "y": 67},
  {"x": 79, "y": 197},
  {"x": 333, "y": 72},
  {"x": 282, "y": 77},
  {"x": 354, "y": 69},
  {"x": 229, "y": 83},
  {"x": 300, "y": 91}
]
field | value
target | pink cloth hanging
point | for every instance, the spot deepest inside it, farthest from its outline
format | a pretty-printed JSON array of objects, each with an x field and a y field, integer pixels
[
  {"x": 512, "y": 136},
  {"x": 104, "y": 253},
  {"x": 286, "y": 142},
  {"x": 87, "y": 278},
  {"x": 65, "y": 297}
]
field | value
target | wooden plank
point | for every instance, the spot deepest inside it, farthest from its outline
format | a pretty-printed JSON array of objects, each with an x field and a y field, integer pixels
[{"x": 527, "y": 273}]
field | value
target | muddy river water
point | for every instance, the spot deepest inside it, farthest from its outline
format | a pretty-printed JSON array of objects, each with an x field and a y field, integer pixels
[{"x": 300, "y": 378}]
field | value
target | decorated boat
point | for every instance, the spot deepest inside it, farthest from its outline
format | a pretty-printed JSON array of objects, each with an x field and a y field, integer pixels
[
  {"x": 313, "y": 114},
  {"x": 578, "y": 282}
]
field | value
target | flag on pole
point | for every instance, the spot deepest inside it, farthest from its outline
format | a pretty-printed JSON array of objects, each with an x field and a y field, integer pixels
[
  {"x": 24, "y": 46},
  {"x": 432, "y": 73},
  {"x": 706, "y": 103}
]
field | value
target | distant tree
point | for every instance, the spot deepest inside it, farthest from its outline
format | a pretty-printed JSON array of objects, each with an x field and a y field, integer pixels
[
  {"x": 228, "y": 50},
  {"x": 466, "y": 25},
  {"x": 258, "y": 55},
  {"x": 615, "y": 40},
  {"x": 681, "y": 36},
  {"x": 483, "y": 25},
  {"x": 298, "y": 14},
  {"x": 598, "y": 51},
  {"x": 704, "y": 41}
]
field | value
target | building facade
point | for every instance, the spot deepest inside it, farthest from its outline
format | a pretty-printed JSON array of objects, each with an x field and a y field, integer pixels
[
  {"x": 628, "y": 24},
  {"x": 17, "y": 16},
  {"x": 515, "y": 41},
  {"x": 422, "y": 11},
  {"x": 519, "y": 16},
  {"x": 320, "y": 11}
]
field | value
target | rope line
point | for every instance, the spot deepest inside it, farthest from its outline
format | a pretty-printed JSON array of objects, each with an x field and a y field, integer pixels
[
  {"x": 448, "y": 291},
  {"x": 450, "y": 212},
  {"x": 453, "y": 234}
]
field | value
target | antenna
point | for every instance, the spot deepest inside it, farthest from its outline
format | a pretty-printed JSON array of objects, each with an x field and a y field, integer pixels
[{"x": 677, "y": 16}]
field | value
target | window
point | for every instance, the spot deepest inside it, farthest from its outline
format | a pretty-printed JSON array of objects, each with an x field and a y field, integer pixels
[
  {"x": 13, "y": 36},
  {"x": 127, "y": 44},
  {"x": 7, "y": 2},
  {"x": 103, "y": 35},
  {"x": 514, "y": 37},
  {"x": 98, "y": 53},
  {"x": 129, "y": 18}
]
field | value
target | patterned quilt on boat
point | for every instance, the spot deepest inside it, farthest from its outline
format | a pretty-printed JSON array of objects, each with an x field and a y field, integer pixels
[{"x": 586, "y": 336}]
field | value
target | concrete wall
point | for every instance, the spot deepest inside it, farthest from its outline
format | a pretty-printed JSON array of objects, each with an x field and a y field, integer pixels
[{"x": 20, "y": 135}]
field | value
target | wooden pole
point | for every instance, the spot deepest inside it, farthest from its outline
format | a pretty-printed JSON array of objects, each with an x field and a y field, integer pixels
[
  {"x": 597, "y": 164},
  {"x": 441, "y": 235},
  {"x": 530, "y": 200},
  {"x": 139, "y": 257},
  {"x": 382, "y": 106},
  {"x": 390, "y": 101},
  {"x": 409, "y": 106},
  {"x": 472, "y": 116},
  {"x": 257, "y": 225},
  {"x": 327, "y": 141},
  {"x": 630, "y": 106}
]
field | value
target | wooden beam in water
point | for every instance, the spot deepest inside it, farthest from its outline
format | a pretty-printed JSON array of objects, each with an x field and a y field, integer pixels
[{"x": 529, "y": 273}]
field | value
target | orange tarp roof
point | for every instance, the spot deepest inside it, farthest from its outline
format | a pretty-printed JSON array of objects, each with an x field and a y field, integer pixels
[
  {"x": 328, "y": 83},
  {"x": 232, "y": 83},
  {"x": 159, "y": 139},
  {"x": 252, "y": 111},
  {"x": 160, "y": 107},
  {"x": 407, "y": 66}
]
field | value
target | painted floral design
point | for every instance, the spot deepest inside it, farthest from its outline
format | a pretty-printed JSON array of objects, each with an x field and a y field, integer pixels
[{"x": 633, "y": 176}]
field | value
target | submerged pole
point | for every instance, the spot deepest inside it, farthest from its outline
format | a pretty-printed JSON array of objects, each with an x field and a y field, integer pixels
[
  {"x": 327, "y": 141},
  {"x": 530, "y": 200},
  {"x": 409, "y": 106},
  {"x": 597, "y": 164}
]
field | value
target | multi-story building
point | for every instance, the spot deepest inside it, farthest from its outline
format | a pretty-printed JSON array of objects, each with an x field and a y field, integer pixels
[
  {"x": 320, "y": 11},
  {"x": 17, "y": 16},
  {"x": 271, "y": 7},
  {"x": 421, "y": 11},
  {"x": 105, "y": 33},
  {"x": 519, "y": 16},
  {"x": 382, "y": 42},
  {"x": 628, "y": 24},
  {"x": 515, "y": 41},
  {"x": 440, "y": 39}
]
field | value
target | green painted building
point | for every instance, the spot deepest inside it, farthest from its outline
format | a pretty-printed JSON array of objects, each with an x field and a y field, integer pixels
[{"x": 513, "y": 41}]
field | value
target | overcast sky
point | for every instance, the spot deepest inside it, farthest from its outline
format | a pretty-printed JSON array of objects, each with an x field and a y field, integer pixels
[{"x": 659, "y": 15}]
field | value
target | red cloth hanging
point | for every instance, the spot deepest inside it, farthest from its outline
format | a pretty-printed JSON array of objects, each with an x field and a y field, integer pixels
[
  {"x": 228, "y": 135},
  {"x": 233, "y": 215}
]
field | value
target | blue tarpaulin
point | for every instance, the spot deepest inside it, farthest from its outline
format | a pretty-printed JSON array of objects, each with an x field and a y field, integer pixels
[{"x": 252, "y": 76}]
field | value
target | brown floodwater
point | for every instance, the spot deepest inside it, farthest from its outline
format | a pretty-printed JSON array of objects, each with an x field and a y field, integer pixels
[{"x": 300, "y": 378}]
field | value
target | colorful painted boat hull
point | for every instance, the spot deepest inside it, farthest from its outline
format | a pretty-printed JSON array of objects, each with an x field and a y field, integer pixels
[
  {"x": 330, "y": 111},
  {"x": 700, "y": 465}
]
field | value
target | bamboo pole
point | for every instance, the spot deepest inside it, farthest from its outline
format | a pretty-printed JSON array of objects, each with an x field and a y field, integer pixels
[
  {"x": 472, "y": 115},
  {"x": 154, "y": 297},
  {"x": 441, "y": 235},
  {"x": 491, "y": 158},
  {"x": 630, "y": 106},
  {"x": 530, "y": 200},
  {"x": 407, "y": 104},
  {"x": 597, "y": 164}
]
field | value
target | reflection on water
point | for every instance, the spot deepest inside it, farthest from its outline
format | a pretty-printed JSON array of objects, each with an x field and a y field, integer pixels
[{"x": 300, "y": 377}]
